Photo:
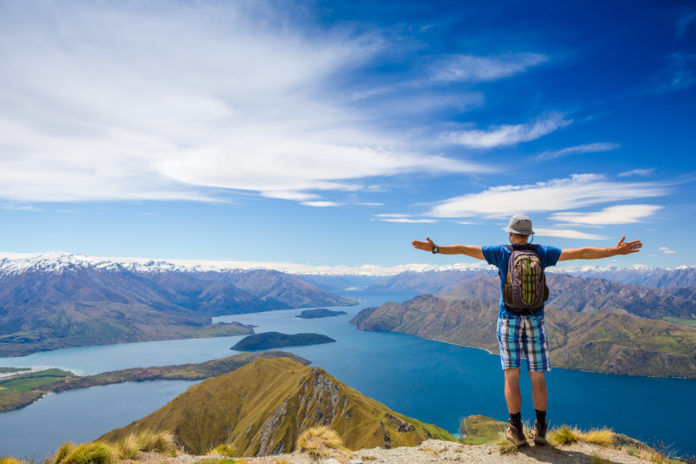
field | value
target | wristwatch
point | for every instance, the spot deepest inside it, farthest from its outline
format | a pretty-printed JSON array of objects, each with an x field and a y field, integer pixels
[{"x": 436, "y": 249}]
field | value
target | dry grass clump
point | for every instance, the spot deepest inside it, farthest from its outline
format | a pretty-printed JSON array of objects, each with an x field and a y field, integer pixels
[
  {"x": 648, "y": 454},
  {"x": 606, "y": 437},
  {"x": 10, "y": 460},
  {"x": 128, "y": 447},
  {"x": 161, "y": 442},
  {"x": 322, "y": 442},
  {"x": 603, "y": 437},
  {"x": 221, "y": 461},
  {"x": 86, "y": 453},
  {"x": 504, "y": 445},
  {"x": 564, "y": 436},
  {"x": 567, "y": 436},
  {"x": 224, "y": 450}
]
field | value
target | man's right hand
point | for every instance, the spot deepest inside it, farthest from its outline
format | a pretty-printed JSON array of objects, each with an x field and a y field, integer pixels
[{"x": 427, "y": 246}]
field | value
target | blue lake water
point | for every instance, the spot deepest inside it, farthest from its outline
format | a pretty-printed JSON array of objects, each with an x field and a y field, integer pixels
[{"x": 431, "y": 381}]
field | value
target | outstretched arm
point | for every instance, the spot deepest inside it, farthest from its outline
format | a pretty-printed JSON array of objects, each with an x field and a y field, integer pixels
[
  {"x": 622, "y": 248},
  {"x": 469, "y": 250}
]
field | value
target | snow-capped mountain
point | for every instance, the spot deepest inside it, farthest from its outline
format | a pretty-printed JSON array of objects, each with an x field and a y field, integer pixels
[{"x": 54, "y": 300}]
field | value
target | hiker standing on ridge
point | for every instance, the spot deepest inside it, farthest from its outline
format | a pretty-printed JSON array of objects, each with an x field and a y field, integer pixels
[{"x": 520, "y": 326}]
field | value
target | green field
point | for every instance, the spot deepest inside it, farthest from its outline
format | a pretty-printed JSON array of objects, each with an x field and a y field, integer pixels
[
  {"x": 686, "y": 322},
  {"x": 33, "y": 380}
]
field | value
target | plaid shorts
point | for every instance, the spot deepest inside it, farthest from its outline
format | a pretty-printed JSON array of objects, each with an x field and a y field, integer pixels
[{"x": 526, "y": 333}]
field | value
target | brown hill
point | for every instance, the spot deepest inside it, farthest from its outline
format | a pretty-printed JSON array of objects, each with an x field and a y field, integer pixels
[
  {"x": 263, "y": 407},
  {"x": 595, "y": 341}
]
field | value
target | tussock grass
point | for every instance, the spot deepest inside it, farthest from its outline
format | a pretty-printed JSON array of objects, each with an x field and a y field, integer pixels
[
  {"x": 85, "y": 453},
  {"x": 603, "y": 437},
  {"x": 221, "y": 461},
  {"x": 128, "y": 447},
  {"x": 322, "y": 442},
  {"x": 606, "y": 437},
  {"x": 648, "y": 454},
  {"x": 504, "y": 445},
  {"x": 10, "y": 460},
  {"x": 224, "y": 450},
  {"x": 161, "y": 442},
  {"x": 563, "y": 436},
  {"x": 281, "y": 461}
]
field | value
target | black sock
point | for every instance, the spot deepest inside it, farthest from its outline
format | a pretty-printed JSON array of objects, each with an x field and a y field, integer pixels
[
  {"x": 541, "y": 416},
  {"x": 516, "y": 420}
]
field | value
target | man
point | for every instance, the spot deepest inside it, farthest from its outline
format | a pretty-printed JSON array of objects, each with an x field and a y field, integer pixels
[{"x": 519, "y": 330}]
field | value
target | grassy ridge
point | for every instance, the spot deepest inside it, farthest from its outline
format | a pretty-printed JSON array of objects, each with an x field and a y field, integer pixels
[{"x": 263, "y": 407}]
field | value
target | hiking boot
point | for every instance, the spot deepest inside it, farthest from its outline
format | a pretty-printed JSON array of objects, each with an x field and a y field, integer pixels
[
  {"x": 515, "y": 435},
  {"x": 538, "y": 433}
]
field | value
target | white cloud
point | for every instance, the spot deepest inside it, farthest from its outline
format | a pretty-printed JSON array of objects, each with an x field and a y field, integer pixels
[
  {"x": 320, "y": 204},
  {"x": 619, "y": 214},
  {"x": 470, "y": 68},
  {"x": 402, "y": 218},
  {"x": 408, "y": 220},
  {"x": 566, "y": 233},
  {"x": 13, "y": 207},
  {"x": 508, "y": 134},
  {"x": 577, "y": 191},
  {"x": 637, "y": 172},
  {"x": 666, "y": 250},
  {"x": 283, "y": 195},
  {"x": 106, "y": 101},
  {"x": 577, "y": 149}
]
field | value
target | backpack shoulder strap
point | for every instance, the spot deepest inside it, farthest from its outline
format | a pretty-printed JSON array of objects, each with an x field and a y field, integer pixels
[{"x": 534, "y": 247}]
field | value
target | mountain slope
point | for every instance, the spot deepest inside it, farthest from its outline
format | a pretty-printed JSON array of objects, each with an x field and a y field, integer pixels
[
  {"x": 262, "y": 408},
  {"x": 596, "y": 341}
]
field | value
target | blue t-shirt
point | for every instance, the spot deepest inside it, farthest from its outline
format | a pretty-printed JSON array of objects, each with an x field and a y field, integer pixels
[{"x": 499, "y": 255}]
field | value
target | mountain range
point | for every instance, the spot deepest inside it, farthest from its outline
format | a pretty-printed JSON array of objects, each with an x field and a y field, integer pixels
[
  {"x": 440, "y": 281},
  {"x": 62, "y": 300},
  {"x": 569, "y": 293}
]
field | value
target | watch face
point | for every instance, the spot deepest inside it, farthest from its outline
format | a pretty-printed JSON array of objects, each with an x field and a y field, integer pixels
[{"x": 436, "y": 249}]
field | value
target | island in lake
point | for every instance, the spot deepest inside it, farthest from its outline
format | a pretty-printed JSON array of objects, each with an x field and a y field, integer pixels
[
  {"x": 268, "y": 340},
  {"x": 317, "y": 313}
]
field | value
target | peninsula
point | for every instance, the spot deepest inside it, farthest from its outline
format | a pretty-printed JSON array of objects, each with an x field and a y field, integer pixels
[{"x": 24, "y": 389}]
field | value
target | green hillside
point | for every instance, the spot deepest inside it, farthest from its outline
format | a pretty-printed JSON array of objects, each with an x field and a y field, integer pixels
[{"x": 263, "y": 407}]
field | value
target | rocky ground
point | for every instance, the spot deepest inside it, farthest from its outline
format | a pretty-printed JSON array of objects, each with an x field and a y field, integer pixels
[{"x": 442, "y": 452}]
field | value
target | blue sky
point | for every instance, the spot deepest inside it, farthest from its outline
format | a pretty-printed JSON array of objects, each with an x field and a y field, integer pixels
[{"x": 334, "y": 133}]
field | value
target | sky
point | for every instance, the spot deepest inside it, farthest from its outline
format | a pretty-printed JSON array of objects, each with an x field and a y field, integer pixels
[{"x": 332, "y": 133}]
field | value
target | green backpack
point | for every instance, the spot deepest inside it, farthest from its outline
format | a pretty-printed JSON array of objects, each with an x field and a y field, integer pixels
[{"x": 525, "y": 289}]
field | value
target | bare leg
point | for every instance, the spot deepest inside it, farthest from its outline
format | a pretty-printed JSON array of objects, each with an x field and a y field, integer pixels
[
  {"x": 539, "y": 393},
  {"x": 513, "y": 397}
]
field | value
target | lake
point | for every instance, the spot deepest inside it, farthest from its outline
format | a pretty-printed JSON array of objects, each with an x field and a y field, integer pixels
[{"x": 432, "y": 381}]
